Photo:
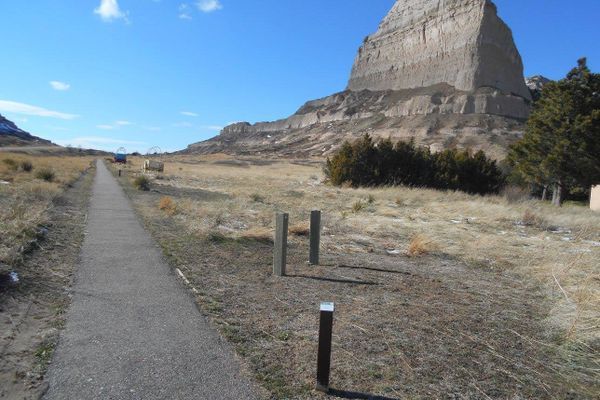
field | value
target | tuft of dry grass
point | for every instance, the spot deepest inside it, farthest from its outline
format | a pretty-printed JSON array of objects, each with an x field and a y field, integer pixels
[
  {"x": 420, "y": 245},
  {"x": 46, "y": 174},
  {"x": 301, "y": 229},
  {"x": 142, "y": 182},
  {"x": 167, "y": 205}
]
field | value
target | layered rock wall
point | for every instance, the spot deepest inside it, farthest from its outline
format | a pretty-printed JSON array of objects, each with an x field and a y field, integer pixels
[{"x": 420, "y": 43}]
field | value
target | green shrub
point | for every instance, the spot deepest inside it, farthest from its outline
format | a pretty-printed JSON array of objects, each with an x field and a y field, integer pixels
[
  {"x": 11, "y": 164},
  {"x": 46, "y": 174},
  {"x": 257, "y": 198},
  {"x": 369, "y": 163},
  {"x": 142, "y": 183},
  {"x": 26, "y": 165}
]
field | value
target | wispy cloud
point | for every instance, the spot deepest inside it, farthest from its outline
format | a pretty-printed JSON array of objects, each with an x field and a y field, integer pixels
[
  {"x": 208, "y": 6},
  {"x": 188, "y": 113},
  {"x": 109, "y": 11},
  {"x": 99, "y": 142},
  {"x": 60, "y": 86},
  {"x": 114, "y": 125},
  {"x": 185, "y": 11},
  {"x": 27, "y": 109},
  {"x": 182, "y": 125},
  {"x": 217, "y": 128}
]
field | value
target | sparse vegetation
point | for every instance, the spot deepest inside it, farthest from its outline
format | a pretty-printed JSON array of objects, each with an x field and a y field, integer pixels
[
  {"x": 142, "y": 182},
  {"x": 47, "y": 174},
  {"x": 10, "y": 164}
]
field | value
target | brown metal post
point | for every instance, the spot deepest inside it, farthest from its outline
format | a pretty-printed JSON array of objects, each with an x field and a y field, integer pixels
[{"x": 324, "y": 352}]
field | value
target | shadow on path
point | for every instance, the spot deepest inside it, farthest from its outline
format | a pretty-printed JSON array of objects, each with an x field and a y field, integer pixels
[{"x": 344, "y": 394}]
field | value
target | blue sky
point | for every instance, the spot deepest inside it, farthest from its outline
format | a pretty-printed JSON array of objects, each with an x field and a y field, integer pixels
[{"x": 144, "y": 73}]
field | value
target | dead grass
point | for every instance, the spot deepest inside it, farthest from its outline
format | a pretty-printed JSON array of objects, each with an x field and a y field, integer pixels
[
  {"x": 420, "y": 245},
  {"x": 167, "y": 205},
  {"x": 553, "y": 251}
]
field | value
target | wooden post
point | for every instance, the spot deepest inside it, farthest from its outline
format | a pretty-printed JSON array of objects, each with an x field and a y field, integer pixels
[
  {"x": 315, "y": 236},
  {"x": 280, "y": 250},
  {"x": 119, "y": 171},
  {"x": 324, "y": 352}
]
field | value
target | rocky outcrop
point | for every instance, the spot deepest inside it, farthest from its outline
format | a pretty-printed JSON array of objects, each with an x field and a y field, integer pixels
[
  {"x": 536, "y": 85},
  {"x": 446, "y": 72},
  {"x": 12, "y": 135}
]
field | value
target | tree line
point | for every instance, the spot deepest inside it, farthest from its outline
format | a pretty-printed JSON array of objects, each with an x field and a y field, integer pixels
[{"x": 367, "y": 162}]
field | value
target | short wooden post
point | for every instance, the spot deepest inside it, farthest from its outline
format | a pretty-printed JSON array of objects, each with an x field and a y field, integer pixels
[
  {"x": 315, "y": 236},
  {"x": 280, "y": 250},
  {"x": 119, "y": 172},
  {"x": 324, "y": 352}
]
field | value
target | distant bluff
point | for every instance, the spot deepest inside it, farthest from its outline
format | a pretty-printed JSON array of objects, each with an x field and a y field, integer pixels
[
  {"x": 12, "y": 135},
  {"x": 446, "y": 72}
]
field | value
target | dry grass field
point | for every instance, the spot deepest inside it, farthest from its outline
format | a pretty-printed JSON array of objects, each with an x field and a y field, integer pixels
[
  {"x": 42, "y": 214},
  {"x": 439, "y": 295},
  {"x": 26, "y": 194}
]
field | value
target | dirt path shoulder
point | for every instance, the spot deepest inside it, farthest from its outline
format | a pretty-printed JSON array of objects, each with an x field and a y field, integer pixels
[{"x": 32, "y": 312}]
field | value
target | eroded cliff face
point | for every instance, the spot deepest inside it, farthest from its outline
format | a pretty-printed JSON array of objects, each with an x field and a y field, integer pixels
[
  {"x": 445, "y": 72},
  {"x": 421, "y": 43}
]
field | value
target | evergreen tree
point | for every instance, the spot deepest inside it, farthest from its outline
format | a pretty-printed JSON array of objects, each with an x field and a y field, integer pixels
[{"x": 561, "y": 145}]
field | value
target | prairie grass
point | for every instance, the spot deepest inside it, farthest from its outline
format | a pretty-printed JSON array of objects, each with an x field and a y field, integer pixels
[
  {"x": 25, "y": 198},
  {"x": 435, "y": 247},
  {"x": 558, "y": 248}
]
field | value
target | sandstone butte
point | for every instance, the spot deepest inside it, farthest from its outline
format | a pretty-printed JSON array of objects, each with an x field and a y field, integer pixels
[{"x": 444, "y": 72}]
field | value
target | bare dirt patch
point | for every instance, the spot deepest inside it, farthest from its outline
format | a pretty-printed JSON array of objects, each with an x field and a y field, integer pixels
[
  {"x": 31, "y": 312},
  {"x": 460, "y": 322}
]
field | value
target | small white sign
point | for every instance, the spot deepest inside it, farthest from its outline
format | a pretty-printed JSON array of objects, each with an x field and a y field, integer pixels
[{"x": 327, "y": 306}]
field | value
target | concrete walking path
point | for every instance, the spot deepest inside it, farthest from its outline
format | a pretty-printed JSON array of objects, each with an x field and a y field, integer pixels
[{"x": 133, "y": 331}]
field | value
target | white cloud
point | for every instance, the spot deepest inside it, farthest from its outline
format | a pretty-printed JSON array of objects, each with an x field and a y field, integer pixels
[
  {"x": 188, "y": 113},
  {"x": 153, "y": 128},
  {"x": 123, "y": 123},
  {"x": 105, "y": 127},
  {"x": 109, "y": 10},
  {"x": 208, "y": 6},
  {"x": 60, "y": 86},
  {"x": 26, "y": 109}
]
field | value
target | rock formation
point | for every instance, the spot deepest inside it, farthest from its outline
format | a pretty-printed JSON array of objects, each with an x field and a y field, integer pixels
[
  {"x": 12, "y": 135},
  {"x": 446, "y": 72}
]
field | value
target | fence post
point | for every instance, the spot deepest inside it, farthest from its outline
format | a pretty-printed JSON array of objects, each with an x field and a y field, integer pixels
[
  {"x": 119, "y": 171},
  {"x": 280, "y": 249},
  {"x": 315, "y": 236},
  {"x": 324, "y": 352}
]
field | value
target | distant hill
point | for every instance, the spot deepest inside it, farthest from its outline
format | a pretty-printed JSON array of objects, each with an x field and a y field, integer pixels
[{"x": 12, "y": 135}]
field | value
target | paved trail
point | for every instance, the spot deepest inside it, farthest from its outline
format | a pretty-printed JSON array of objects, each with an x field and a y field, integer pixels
[{"x": 133, "y": 332}]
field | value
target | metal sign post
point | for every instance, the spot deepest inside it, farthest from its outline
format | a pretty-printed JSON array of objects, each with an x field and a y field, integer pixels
[{"x": 324, "y": 354}]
